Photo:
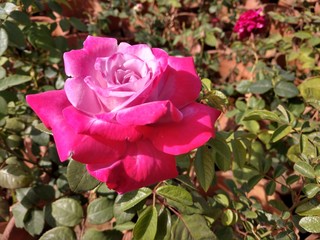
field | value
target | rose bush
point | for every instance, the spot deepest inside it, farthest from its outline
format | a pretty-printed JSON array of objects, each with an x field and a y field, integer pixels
[
  {"x": 126, "y": 111},
  {"x": 251, "y": 21}
]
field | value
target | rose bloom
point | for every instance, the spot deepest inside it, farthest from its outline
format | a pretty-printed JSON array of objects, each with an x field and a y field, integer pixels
[
  {"x": 251, "y": 21},
  {"x": 126, "y": 111}
]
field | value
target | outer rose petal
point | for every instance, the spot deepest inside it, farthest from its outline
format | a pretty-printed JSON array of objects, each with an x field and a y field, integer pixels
[
  {"x": 99, "y": 128},
  {"x": 143, "y": 165},
  {"x": 193, "y": 131},
  {"x": 180, "y": 83},
  {"x": 49, "y": 106},
  {"x": 148, "y": 113}
]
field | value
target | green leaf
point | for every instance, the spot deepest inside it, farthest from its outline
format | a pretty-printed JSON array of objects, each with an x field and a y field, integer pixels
[
  {"x": 4, "y": 210},
  {"x": 303, "y": 35},
  {"x": 311, "y": 189},
  {"x": 311, "y": 224},
  {"x": 19, "y": 212},
  {"x": 77, "y": 24},
  {"x": 243, "y": 86},
  {"x": 280, "y": 133},
  {"x": 175, "y": 193},
  {"x": 270, "y": 188},
  {"x": 286, "y": 89},
  {"x": 260, "y": 87},
  {"x": 20, "y": 17},
  {"x": 192, "y": 227},
  {"x": 100, "y": 211},
  {"x": 164, "y": 225},
  {"x": 43, "y": 128},
  {"x": 3, "y": 41},
  {"x": 239, "y": 152},
  {"x": 204, "y": 166},
  {"x": 222, "y": 152},
  {"x": 92, "y": 234},
  {"x": 261, "y": 115},
  {"x": 34, "y": 222},
  {"x": 67, "y": 212},
  {"x": 216, "y": 99},
  {"x": 146, "y": 226},
  {"x": 222, "y": 199},
  {"x": 59, "y": 233},
  {"x": 304, "y": 169},
  {"x": 13, "y": 80},
  {"x": 15, "y": 35},
  {"x": 210, "y": 39},
  {"x": 130, "y": 199},
  {"x": 311, "y": 207},
  {"x": 310, "y": 91},
  {"x": 15, "y": 176},
  {"x": 227, "y": 217},
  {"x": 78, "y": 177}
]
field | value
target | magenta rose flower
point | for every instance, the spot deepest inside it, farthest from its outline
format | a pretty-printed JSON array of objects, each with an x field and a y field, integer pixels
[
  {"x": 251, "y": 21},
  {"x": 126, "y": 111}
]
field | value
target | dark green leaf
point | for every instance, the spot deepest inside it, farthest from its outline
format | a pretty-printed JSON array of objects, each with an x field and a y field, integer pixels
[
  {"x": 164, "y": 226},
  {"x": 16, "y": 36},
  {"x": 239, "y": 152},
  {"x": 222, "y": 152},
  {"x": 130, "y": 199},
  {"x": 204, "y": 166},
  {"x": 78, "y": 177},
  {"x": 54, "y": 6},
  {"x": 100, "y": 211},
  {"x": 4, "y": 210},
  {"x": 286, "y": 89},
  {"x": 260, "y": 87},
  {"x": 77, "y": 24},
  {"x": 59, "y": 233},
  {"x": 20, "y": 17},
  {"x": 67, "y": 212},
  {"x": 270, "y": 188},
  {"x": 146, "y": 226},
  {"x": 311, "y": 224},
  {"x": 304, "y": 169},
  {"x": 175, "y": 193},
  {"x": 15, "y": 176},
  {"x": 13, "y": 80}
]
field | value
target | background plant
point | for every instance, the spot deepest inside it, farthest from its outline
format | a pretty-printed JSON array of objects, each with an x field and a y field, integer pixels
[{"x": 258, "y": 179}]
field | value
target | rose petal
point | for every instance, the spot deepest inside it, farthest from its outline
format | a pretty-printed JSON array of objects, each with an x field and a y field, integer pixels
[
  {"x": 81, "y": 62},
  {"x": 148, "y": 113},
  {"x": 180, "y": 83},
  {"x": 82, "y": 97},
  {"x": 101, "y": 128},
  {"x": 193, "y": 131},
  {"x": 143, "y": 165},
  {"x": 49, "y": 107}
]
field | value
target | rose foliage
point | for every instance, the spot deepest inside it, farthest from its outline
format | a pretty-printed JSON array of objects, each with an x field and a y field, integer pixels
[
  {"x": 251, "y": 21},
  {"x": 126, "y": 111}
]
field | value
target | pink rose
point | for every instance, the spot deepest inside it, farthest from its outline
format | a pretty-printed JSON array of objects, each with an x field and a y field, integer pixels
[
  {"x": 126, "y": 111},
  {"x": 251, "y": 21}
]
